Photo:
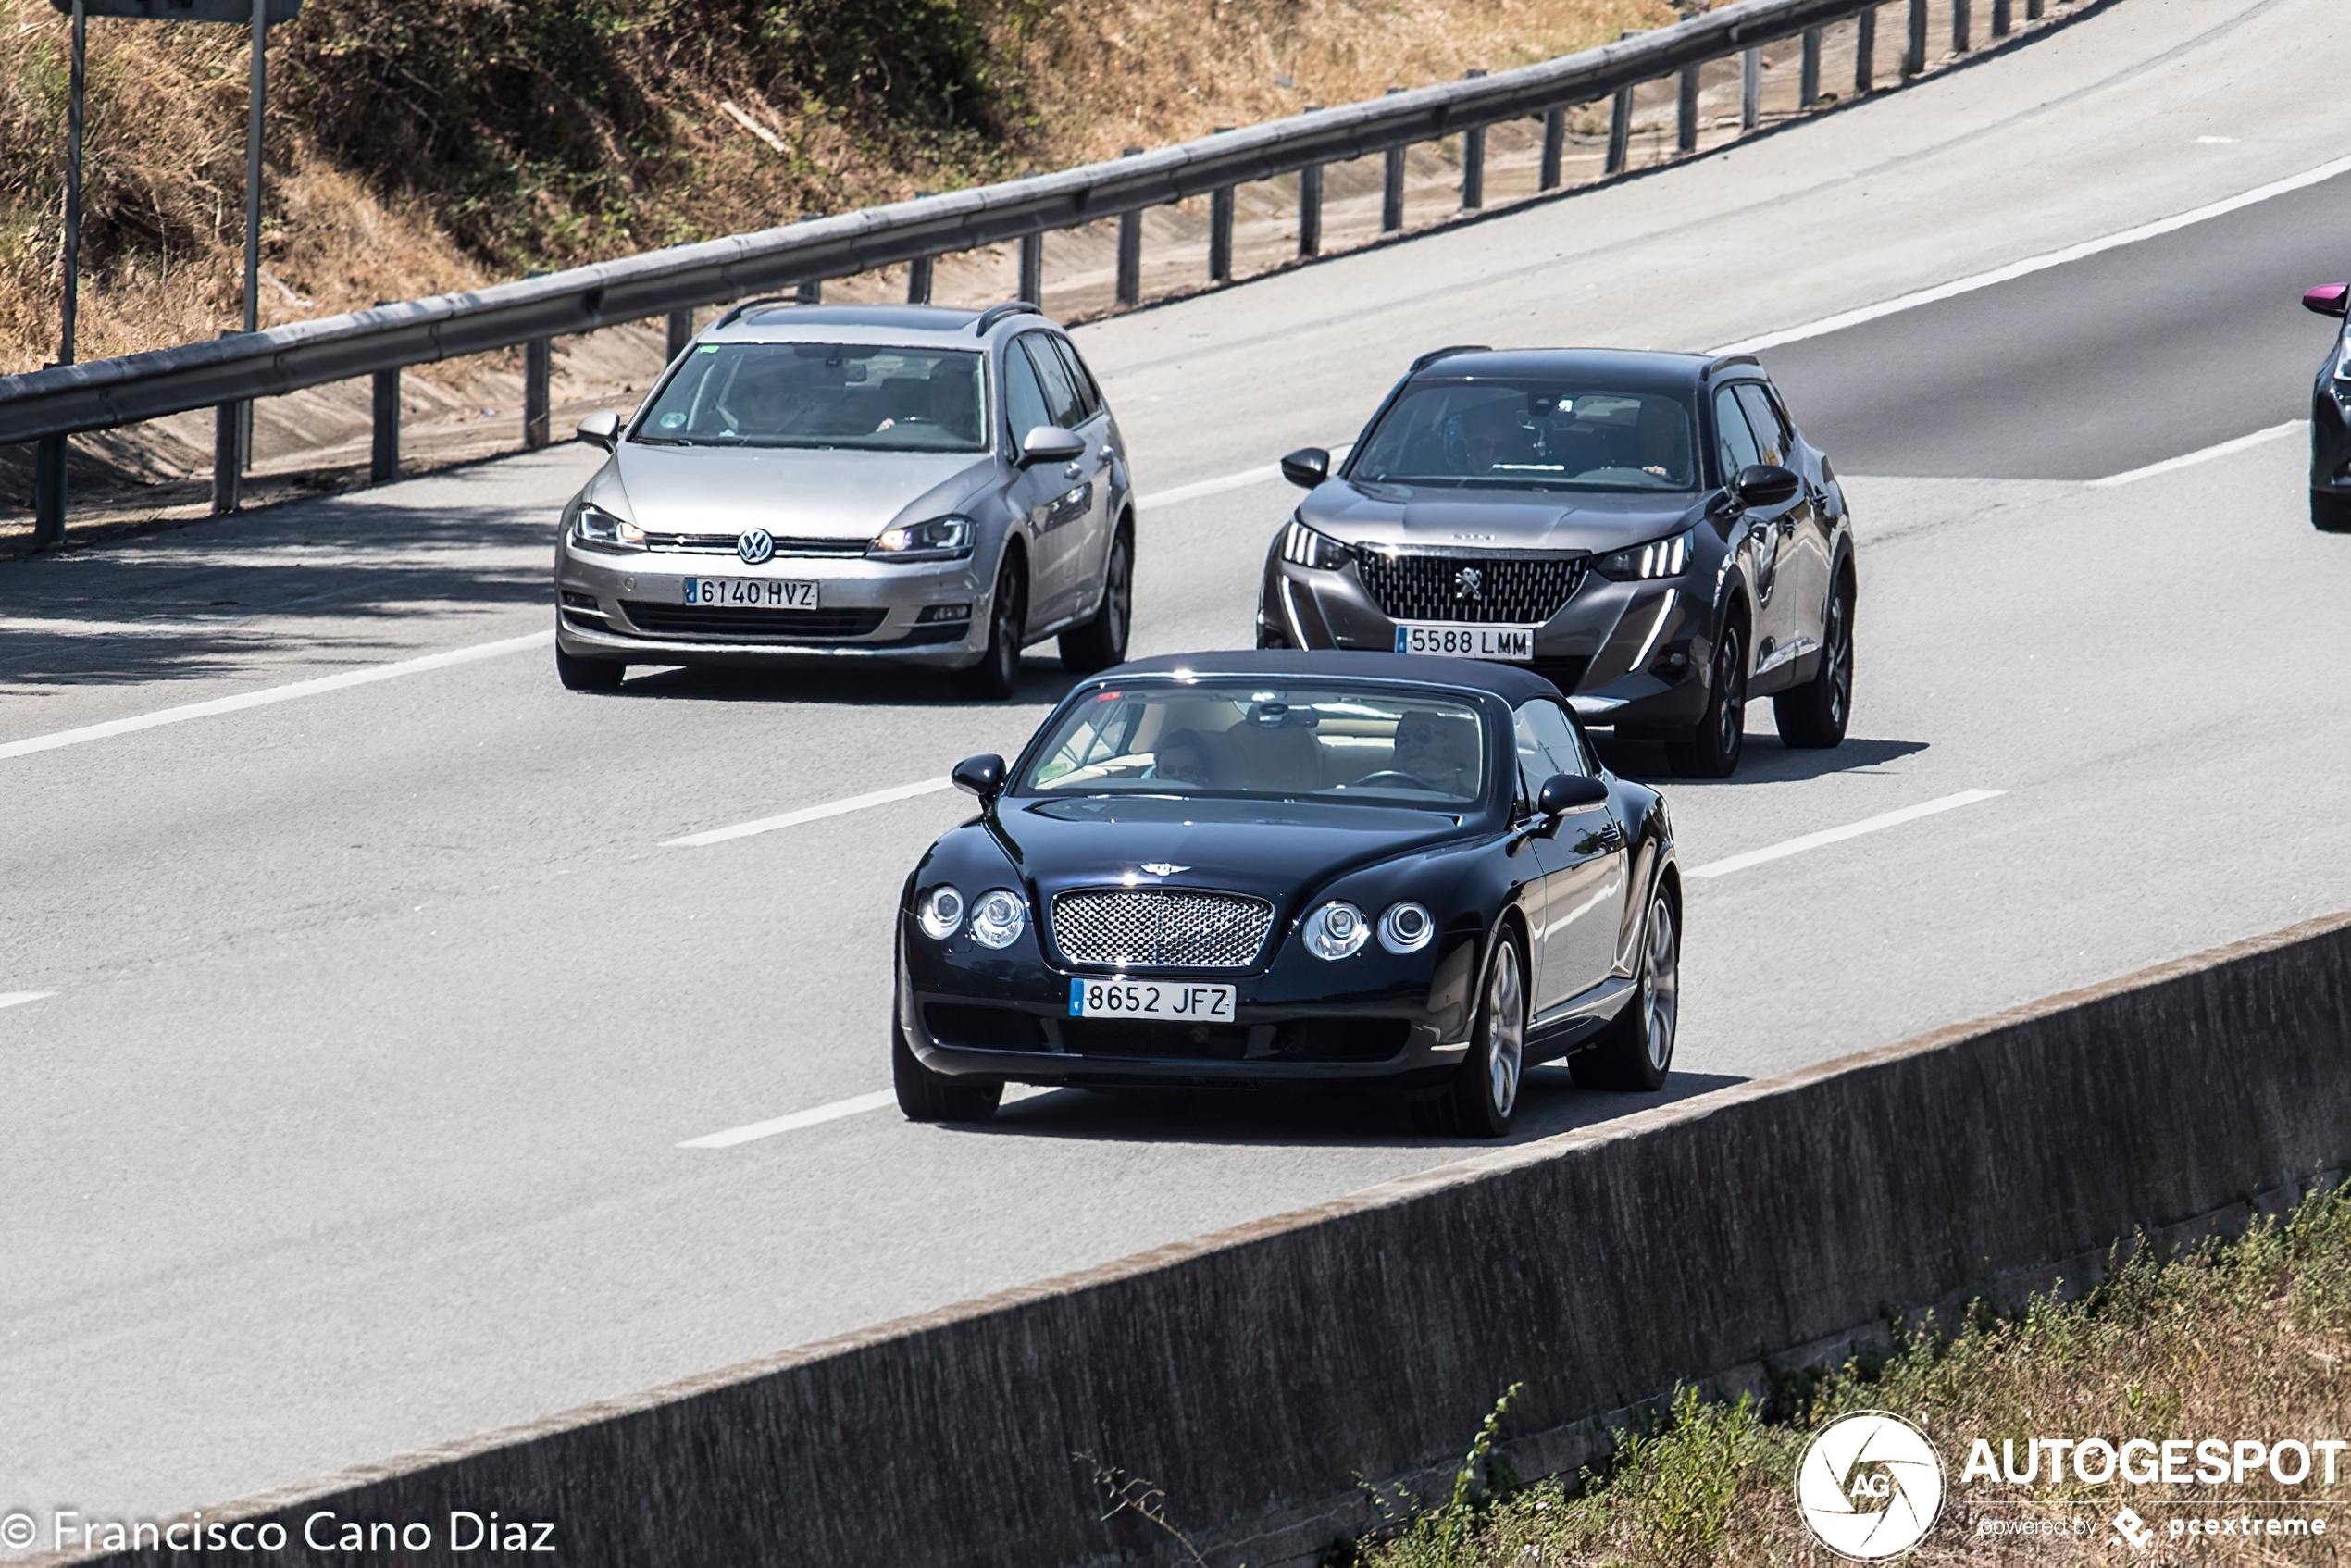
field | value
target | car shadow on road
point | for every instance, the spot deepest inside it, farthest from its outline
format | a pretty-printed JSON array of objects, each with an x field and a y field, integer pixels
[
  {"x": 1765, "y": 760},
  {"x": 1317, "y": 1117},
  {"x": 1041, "y": 683}
]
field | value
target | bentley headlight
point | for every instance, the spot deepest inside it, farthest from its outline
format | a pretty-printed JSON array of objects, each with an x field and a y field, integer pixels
[
  {"x": 940, "y": 912},
  {"x": 1303, "y": 546},
  {"x": 1406, "y": 928},
  {"x": 1336, "y": 930},
  {"x": 599, "y": 529},
  {"x": 941, "y": 539},
  {"x": 1659, "y": 557},
  {"x": 998, "y": 918}
]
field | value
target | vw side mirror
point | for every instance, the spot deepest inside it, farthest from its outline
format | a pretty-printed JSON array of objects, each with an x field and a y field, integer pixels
[
  {"x": 1564, "y": 794},
  {"x": 1050, "y": 444},
  {"x": 2327, "y": 299},
  {"x": 1307, "y": 468},
  {"x": 982, "y": 774},
  {"x": 601, "y": 430},
  {"x": 1766, "y": 484}
]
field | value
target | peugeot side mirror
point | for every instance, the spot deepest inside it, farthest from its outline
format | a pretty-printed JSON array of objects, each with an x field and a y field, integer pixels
[
  {"x": 1050, "y": 444},
  {"x": 1307, "y": 468},
  {"x": 601, "y": 430},
  {"x": 2327, "y": 299},
  {"x": 982, "y": 774},
  {"x": 1564, "y": 794},
  {"x": 1766, "y": 484}
]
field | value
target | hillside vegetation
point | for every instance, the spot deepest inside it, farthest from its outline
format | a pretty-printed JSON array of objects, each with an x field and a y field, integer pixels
[{"x": 418, "y": 145}]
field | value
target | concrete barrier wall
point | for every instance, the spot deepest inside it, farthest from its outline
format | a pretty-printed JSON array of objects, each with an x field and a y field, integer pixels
[{"x": 1255, "y": 1374}]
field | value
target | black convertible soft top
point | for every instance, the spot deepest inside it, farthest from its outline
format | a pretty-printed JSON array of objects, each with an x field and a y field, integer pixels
[{"x": 1509, "y": 682}]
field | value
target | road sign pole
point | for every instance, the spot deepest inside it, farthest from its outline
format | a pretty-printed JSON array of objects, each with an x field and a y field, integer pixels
[{"x": 49, "y": 455}]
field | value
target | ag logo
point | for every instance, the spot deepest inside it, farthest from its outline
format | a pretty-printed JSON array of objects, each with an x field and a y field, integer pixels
[
  {"x": 1870, "y": 1484},
  {"x": 754, "y": 545}
]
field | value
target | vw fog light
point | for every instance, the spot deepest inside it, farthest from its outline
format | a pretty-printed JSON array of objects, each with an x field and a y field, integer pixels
[
  {"x": 599, "y": 529},
  {"x": 940, "y": 912},
  {"x": 998, "y": 918},
  {"x": 1336, "y": 930},
  {"x": 1406, "y": 928}
]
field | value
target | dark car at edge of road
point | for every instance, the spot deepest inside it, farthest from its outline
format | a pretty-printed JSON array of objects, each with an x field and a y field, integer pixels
[
  {"x": 2330, "y": 418},
  {"x": 1405, "y": 873},
  {"x": 1650, "y": 531}
]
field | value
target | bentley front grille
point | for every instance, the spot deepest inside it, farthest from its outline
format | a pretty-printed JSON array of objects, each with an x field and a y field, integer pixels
[
  {"x": 1161, "y": 929},
  {"x": 1508, "y": 589}
]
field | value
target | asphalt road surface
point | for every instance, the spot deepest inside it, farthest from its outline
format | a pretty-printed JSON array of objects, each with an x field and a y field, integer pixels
[{"x": 364, "y": 1046}]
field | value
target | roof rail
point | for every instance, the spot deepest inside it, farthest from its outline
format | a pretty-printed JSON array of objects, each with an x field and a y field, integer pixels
[
  {"x": 738, "y": 311},
  {"x": 1725, "y": 361},
  {"x": 1433, "y": 355},
  {"x": 996, "y": 313}
]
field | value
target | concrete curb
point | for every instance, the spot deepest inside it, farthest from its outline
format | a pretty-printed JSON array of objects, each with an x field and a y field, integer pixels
[{"x": 1256, "y": 1373}]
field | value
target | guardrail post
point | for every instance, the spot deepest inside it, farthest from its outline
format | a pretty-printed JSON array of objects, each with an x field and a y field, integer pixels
[
  {"x": 1547, "y": 176},
  {"x": 1807, "y": 75},
  {"x": 228, "y": 456},
  {"x": 1032, "y": 269},
  {"x": 538, "y": 365},
  {"x": 1220, "y": 227},
  {"x": 810, "y": 293},
  {"x": 1473, "y": 159},
  {"x": 49, "y": 491},
  {"x": 1864, "y": 45},
  {"x": 1959, "y": 27},
  {"x": 1915, "y": 61},
  {"x": 1620, "y": 131},
  {"x": 1750, "y": 86},
  {"x": 1309, "y": 208},
  {"x": 2001, "y": 17},
  {"x": 918, "y": 276},
  {"x": 1391, "y": 189},
  {"x": 383, "y": 455},
  {"x": 1685, "y": 112},
  {"x": 2032, "y": 10},
  {"x": 1130, "y": 248},
  {"x": 681, "y": 332}
]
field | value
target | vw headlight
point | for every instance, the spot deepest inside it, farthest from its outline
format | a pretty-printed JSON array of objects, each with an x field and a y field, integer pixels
[
  {"x": 1336, "y": 930},
  {"x": 599, "y": 529},
  {"x": 940, "y": 912},
  {"x": 1303, "y": 546},
  {"x": 998, "y": 918},
  {"x": 941, "y": 539},
  {"x": 1659, "y": 557},
  {"x": 1406, "y": 928}
]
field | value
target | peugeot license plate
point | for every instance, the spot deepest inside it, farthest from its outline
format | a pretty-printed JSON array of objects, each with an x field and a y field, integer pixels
[
  {"x": 1177, "y": 1001},
  {"x": 751, "y": 592},
  {"x": 1452, "y": 639}
]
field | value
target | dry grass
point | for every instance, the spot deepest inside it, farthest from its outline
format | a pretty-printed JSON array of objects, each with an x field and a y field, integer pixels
[
  {"x": 420, "y": 145},
  {"x": 2246, "y": 1339}
]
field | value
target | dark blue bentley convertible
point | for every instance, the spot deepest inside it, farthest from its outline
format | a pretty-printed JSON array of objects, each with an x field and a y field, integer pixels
[{"x": 1274, "y": 866}]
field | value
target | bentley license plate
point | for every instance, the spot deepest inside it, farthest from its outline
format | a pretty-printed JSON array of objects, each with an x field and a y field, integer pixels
[
  {"x": 1176, "y": 1000},
  {"x": 1452, "y": 639},
  {"x": 765, "y": 593}
]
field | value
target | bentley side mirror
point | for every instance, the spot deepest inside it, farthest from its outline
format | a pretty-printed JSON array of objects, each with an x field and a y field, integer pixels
[
  {"x": 2327, "y": 299},
  {"x": 1564, "y": 794},
  {"x": 1050, "y": 444},
  {"x": 1766, "y": 484},
  {"x": 601, "y": 430},
  {"x": 982, "y": 774},
  {"x": 1307, "y": 468}
]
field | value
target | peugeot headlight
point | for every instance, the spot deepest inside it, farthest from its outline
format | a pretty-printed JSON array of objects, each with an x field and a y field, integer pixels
[
  {"x": 1406, "y": 928},
  {"x": 1336, "y": 930},
  {"x": 1303, "y": 546},
  {"x": 599, "y": 529},
  {"x": 998, "y": 918},
  {"x": 941, "y": 539},
  {"x": 940, "y": 912},
  {"x": 1659, "y": 557}
]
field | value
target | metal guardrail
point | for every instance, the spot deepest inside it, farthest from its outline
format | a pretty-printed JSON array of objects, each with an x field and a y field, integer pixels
[{"x": 224, "y": 373}]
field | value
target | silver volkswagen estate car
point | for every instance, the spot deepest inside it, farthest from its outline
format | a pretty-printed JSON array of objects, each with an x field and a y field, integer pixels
[{"x": 891, "y": 482}]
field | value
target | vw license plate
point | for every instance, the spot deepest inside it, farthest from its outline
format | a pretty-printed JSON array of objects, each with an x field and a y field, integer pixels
[
  {"x": 1452, "y": 640},
  {"x": 1175, "y": 1000},
  {"x": 765, "y": 593}
]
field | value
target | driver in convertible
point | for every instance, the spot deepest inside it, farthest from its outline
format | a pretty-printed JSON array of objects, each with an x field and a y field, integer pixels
[{"x": 1438, "y": 750}]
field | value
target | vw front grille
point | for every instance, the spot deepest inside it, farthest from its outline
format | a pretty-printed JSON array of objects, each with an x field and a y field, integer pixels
[
  {"x": 1161, "y": 929},
  {"x": 724, "y": 544},
  {"x": 1512, "y": 590}
]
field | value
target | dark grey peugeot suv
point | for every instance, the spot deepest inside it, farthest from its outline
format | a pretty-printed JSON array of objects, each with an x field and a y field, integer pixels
[{"x": 1648, "y": 530}]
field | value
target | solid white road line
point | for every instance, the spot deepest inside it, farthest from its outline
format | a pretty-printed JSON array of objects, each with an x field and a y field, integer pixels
[
  {"x": 2189, "y": 460},
  {"x": 809, "y": 813},
  {"x": 17, "y": 999},
  {"x": 1242, "y": 480},
  {"x": 856, "y": 1106},
  {"x": 276, "y": 694},
  {"x": 1838, "y": 835},
  {"x": 2161, "y": 225}
]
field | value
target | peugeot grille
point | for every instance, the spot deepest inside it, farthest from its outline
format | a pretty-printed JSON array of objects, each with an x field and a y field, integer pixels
[
  {"x": 1161, "y": 927},
  {"x": 1510, "y": 589}
]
